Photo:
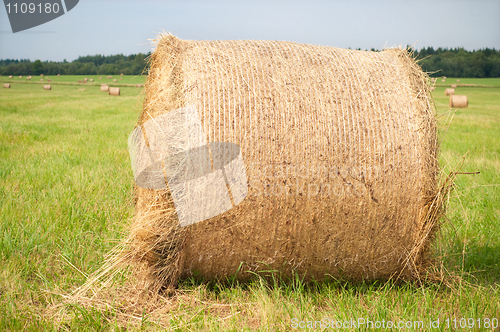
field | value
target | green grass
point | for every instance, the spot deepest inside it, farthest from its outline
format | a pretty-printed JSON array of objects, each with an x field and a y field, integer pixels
[
  {"x": 66, "y": 197},
  {"x": 489, "y": 82},
  {"x": 73, "y": 79}
]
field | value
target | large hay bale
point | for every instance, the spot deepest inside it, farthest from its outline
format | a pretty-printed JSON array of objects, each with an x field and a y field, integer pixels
[
  {"x": 449, "y": 92},
  {"x": 336, "y": 153},
  {"x": 104, "y": 88},
  {"x": 114, "y": 91},
  {"x": 459, "y": 101},
  {"x": 46, "y": 87},
  {"x": 6, "y": 86}
]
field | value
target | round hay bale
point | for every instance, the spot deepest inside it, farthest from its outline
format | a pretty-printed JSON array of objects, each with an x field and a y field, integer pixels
[
  {"x": 104, "y": 88},
  {"x": 79, "y": 81},
  {"x": 58, "y": 74},
  {"x": 10, "y": 76},
  {"x": 114, "y": 91},
  {"x": 443, "y": 80},
  {"x": 458, "y": 80},
  {"x": 121, "y": 78},
  {"x": 333, "y": 172},
  {"x": 138, "y": 85},
  {"x": 28, "y": 78},
  {"x": 100, "y": 78},
  {"x": 121, "y": 74},
  {"x": 6, "y": 86},
  {"x": 49, "y": 80},
  {"x": 449, "y": 92},
  {"x": 459, "y": 101},
  {"x": 114, "y": 80},
  {"x": 47, "y": 87},
  {"x": 41, "y": 80},
  {"x": 453, "y": 85},
  {"x": 41, "y": 74},
  {"x": 444, "y": 77},
  {"x": 21, "y": 76},
  {"x": 91, "y": 80}
]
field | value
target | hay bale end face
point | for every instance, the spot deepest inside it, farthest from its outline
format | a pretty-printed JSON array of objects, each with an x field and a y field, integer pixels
[
  {"x": 10, "y": 76},
  {"x": 114, "y": 80},
  {"x": 340, "y": 167},
  {"x": 453, "y": 85},
  {"x": 138, "y": 85},
  {"x": 114, "y": 91},
  {"x": 20, "y": 76},
  {"x": 449, "y": 92},
  {"x": 104, "y": 88},
  {"x": 6, "y": 86},
  {"x": 46, "y": 87},
  {"x": 458, "y": 101}
]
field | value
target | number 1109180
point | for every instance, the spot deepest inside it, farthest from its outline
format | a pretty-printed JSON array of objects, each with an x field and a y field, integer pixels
[{"x": 31, "y": 8}]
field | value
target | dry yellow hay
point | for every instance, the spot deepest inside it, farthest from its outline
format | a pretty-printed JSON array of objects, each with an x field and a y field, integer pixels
[
  {"x": 10, "y": 76},
  {"x": 104, "y": 88},
  {"x": 459, "y": 101},
  {"x": 432, "y": 88},
  {"x": 114, "y": 91},
  {"x": 46, "y": 87},
  {"x": 449, "y": 92},
  {"x": 6, "y": 86},
  {"x": 340, "y": 156},
  {"x": 138, "y": 85},
  {"x": 453, "y": 85}
]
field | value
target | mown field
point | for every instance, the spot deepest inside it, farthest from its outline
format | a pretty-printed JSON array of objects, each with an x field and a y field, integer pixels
[
  {"x": 66, "y": 200},
  {"x": 73, "y": 79}
]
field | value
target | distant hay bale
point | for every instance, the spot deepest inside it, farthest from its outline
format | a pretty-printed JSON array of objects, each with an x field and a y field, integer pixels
[
  {"x": 85, "y": 79},
  {"x": 58, "y": 74},
  {"x": 6, "y": 86},
  {"x": 104, "y": 88},
  {"x": 21, "y": 76},
  {"x": 328, "y": 171},
  {"x": 91, "y": 80},
  {"x": 444, "y": 77},
  {"x": 46, "y": 87},
  {"x": 453, "y": 85},
  {"x": 443, "y": 80},
  {"x": 79, "y": 81},
  {"x": 114, "y": 91},
  {"x": 100, "y": 78},
  {"x": 41, "y": 74},
  {"x": 49, "y": 80},
  {"x": 41, "y": 80},
  {"x": 10, "y": 76},
  {"x": 138, "y": 85},
  {"x": 121, "y": 74},
  {"x": 28, "y": 78},
  {"x": 458, "y": 80},
  {"x": 459, "y": 101},
  {"x": 449, "y": 92},
  {"x": 121, "y": 78},
  {"x": 114, "y": 80}
]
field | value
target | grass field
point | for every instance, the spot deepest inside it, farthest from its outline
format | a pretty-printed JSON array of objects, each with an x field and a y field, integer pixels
[
  {"x": 66, "y": 199},
  {"x": 73, "y": 79}
]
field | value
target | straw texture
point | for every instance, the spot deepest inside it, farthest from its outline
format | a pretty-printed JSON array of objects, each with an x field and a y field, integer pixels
[{"x": 339, "y": 149}]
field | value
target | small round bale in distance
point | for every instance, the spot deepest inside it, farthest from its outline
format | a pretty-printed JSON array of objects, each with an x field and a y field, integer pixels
[
  {"x": 138, "y": 85},
  {"x": 10, "y": 76},
  {"x": 432, "y": 88},
  {"x": 443, "y": 80},
  {"x": 21, "y": 76},
  {"x": 104, "y": 88},
  {"x": 341, "y": 166},
  {"x": 58, "y": 74},
  {"x": 114, "y": 91},
  {"x": 459, "y": 101},
  {"x": 47, "y": 87},
  {"x": 458, "y": 80},
  {"x": 114, "y": 80},
  {"x": 41, "y": 80},
  {"x": 449, "y": 92},
  {"x": 453, "y": 85},
  {"x": 91, "y": 80},
  {"x": 6, "y": 86}
]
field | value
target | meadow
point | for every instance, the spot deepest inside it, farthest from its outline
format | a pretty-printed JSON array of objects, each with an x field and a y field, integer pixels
[{"x": 66, "y": 199}]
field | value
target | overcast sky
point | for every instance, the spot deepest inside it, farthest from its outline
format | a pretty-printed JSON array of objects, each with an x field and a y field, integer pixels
[{"x": 127, "y": 26}]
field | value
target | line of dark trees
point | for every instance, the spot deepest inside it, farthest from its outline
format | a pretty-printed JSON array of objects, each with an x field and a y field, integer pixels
[
  {"x": 454, "y": 62},
  {"x": 133, "y": 64}
]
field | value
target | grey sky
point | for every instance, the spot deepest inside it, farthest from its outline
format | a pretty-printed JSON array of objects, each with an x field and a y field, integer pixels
[{"x": 126, "y": 26}]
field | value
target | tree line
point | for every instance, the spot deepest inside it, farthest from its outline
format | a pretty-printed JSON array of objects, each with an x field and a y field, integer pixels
[{"x": 453, "y": 62}]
